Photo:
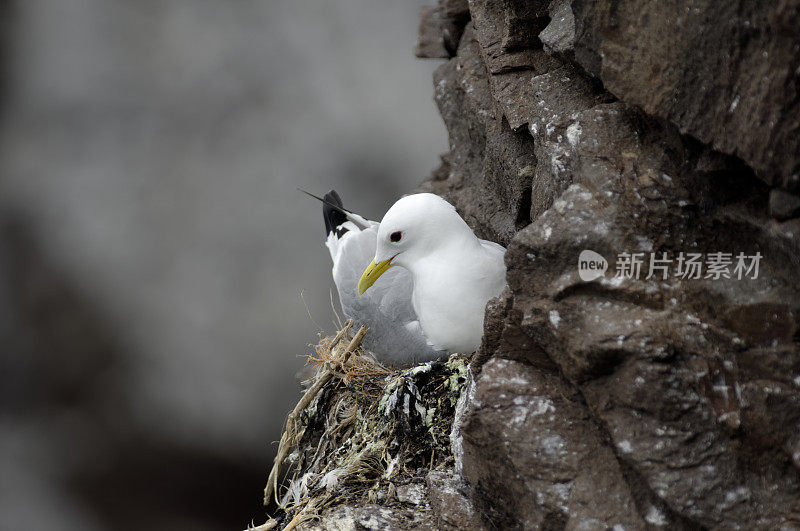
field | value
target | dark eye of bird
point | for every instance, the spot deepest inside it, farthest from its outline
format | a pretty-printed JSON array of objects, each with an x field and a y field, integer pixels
[{"x": 395, "y": 236}]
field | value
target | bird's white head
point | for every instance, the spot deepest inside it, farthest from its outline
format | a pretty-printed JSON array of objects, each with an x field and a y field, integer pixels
[{"x": 413, "y": 228}]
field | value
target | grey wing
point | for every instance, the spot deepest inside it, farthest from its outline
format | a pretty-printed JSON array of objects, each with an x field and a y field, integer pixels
[
  {"x": 493, "y": 247},
  {"x": 498, "y": 274},
  {"x": 395, "y": 335}
]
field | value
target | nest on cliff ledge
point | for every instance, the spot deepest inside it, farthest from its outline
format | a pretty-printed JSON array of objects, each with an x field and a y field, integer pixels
[{"x": 362, "y": 428}]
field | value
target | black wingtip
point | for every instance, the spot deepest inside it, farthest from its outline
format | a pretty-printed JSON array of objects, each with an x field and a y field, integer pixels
[{"x": 332, "y": 211}]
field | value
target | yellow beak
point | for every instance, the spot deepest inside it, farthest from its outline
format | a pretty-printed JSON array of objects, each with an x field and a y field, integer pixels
[{"x": 371, "y": 274}]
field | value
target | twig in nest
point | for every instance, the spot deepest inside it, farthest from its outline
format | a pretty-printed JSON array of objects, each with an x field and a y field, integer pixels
[
  {"x": 269, "y": 525},
  {"x": 290, "y": 434},
  {"x": 301, "y": 516},
  {"x": 361, "y": 367}
]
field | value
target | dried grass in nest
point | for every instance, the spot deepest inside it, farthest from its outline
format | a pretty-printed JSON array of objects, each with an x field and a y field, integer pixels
[{"x": 361, "y": 428}]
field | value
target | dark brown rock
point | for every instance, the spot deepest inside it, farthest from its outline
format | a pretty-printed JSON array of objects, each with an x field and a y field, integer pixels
[
  {"x": 496, "y": 311},
  {"x": 727, "y": 73},
  {"x": 430, "y": 41},
  {"x": 783, "y": 205},
  {"x": 558, "y": 37},
  {"x": 450, "y": 502},
  {"x": 680, "y": 393},
  {"x": 644, "y": 398},
  {"x": 440, "y": 29},
  {"x": 438, "y": 33},
  {"x": 529, "y": 442},
  {"x": 508, "y": 31},
  {"x": 456, "y": 9},
  {"x": 490, "y": 166},
  {"x": 765, "y": 323}
]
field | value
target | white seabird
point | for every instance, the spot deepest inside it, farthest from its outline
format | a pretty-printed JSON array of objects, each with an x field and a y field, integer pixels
[
  {"x": 454, "y": 273},
  {"x": 433, "y": 303}
]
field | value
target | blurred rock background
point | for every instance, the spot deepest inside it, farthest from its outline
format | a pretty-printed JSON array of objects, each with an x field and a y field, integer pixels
[{"x": 159, "y": 273}]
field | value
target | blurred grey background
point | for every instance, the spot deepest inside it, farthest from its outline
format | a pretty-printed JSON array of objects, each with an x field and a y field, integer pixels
[{"x": 159, "y": 273}]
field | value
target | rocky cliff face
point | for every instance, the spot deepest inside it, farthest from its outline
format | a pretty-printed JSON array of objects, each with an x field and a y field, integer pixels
[
  {"x": 664, "y": 138},
  {"x": 646, "y": 132}
]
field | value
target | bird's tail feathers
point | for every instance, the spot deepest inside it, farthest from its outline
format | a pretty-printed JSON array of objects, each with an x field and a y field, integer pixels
[{"x": 335, "y": 214}]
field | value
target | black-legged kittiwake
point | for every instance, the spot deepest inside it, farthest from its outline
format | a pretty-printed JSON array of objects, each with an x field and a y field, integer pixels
[{"x": 434, "y": 302}]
